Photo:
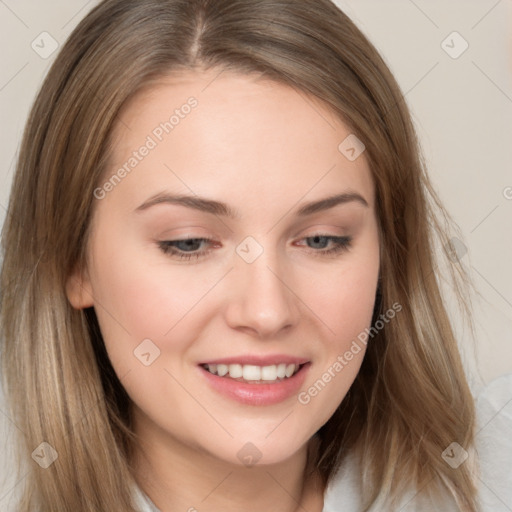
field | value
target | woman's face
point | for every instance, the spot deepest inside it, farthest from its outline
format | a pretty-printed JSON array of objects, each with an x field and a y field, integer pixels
[{"x": 272, "y": 275}]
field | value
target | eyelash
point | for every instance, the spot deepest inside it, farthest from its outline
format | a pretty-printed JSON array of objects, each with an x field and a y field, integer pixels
[{"x": 341, "y": 244}]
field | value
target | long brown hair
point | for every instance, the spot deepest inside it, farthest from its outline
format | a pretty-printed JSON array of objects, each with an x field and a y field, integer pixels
[{"x": 410, "y": 399}]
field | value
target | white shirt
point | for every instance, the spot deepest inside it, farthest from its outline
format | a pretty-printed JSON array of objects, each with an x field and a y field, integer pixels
[{"x": 493, "y": 445}]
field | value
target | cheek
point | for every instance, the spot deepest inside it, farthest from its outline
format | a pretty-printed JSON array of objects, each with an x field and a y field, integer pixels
[
  {"x": 346, "y": 305},
  {"x": 346, "y": 310},
  {"x": 343, "y": 300},
  {"x": 138, "y": 298},
  {"x": 343, "y": 296}
]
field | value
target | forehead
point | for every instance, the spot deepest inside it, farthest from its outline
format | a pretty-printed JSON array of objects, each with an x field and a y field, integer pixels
[{"x": 226, "y": 133}]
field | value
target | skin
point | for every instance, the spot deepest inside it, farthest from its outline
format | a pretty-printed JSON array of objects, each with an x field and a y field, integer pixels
[{"x": 265, "y": 150}]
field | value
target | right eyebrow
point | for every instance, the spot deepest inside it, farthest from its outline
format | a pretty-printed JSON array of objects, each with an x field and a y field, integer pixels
[{"x": 195, "y": 202}]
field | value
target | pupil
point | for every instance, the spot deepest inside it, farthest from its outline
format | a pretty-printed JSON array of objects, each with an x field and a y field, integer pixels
[
  {"x": 319, "y": 239},
  {"x": 192, "y": 243}
]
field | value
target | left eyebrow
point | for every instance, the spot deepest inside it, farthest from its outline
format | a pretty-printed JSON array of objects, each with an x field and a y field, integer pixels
[
  {"x": 330, "y": 202},
  {"x": 219, "y": 208}
]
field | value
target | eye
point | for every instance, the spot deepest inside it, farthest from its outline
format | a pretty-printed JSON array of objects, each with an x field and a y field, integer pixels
[
  {"x": 321, "y": 241},
  {"x": 186, "y": 248},
  {"x": 190, "y": 248}
]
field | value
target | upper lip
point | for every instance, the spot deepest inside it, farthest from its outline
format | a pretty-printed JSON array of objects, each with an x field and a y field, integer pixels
[{"x": 256, "y": 360}]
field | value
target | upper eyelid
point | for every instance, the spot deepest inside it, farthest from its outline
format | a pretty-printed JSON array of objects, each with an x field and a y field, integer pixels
[
  {"x": 316, "y": 230},
  {"x": 323, "y": 225}
]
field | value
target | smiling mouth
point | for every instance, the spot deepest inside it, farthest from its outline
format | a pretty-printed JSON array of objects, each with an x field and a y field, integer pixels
[{"x": 253, "y": 373}]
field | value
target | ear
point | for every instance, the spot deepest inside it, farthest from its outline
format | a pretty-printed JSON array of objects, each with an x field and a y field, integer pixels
[{"x": 79, "y": 289}]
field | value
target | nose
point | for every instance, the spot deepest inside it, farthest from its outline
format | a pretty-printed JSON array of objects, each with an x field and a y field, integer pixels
[{"x": 262, "y": 300}]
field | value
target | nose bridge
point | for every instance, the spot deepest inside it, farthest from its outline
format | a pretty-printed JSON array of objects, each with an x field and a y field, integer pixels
[{"x": 262, "y": 300}]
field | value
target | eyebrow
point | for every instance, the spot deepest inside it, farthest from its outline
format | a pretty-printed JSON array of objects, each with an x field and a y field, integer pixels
[{"x": 218, "y": 208}]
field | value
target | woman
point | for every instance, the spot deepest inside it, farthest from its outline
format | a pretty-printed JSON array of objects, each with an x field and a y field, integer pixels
[{"x": 218, "y": 271}]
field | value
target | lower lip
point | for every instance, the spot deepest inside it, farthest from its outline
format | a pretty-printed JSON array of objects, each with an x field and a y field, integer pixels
[{"x": 257, "y": 393}]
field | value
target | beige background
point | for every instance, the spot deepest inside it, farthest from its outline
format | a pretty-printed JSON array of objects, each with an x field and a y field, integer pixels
[{"x": 462, "y": 108}]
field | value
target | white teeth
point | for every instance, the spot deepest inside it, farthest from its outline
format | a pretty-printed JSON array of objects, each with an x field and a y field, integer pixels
[
  {"x": 252, "y": 372},
  {"x": 269, "y": 373},
  {"x": 290, "y": 369},
  {"x": 222, "y": 369},
  {"x": 235, "y": 371}
]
